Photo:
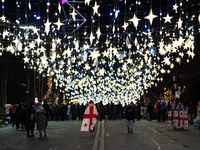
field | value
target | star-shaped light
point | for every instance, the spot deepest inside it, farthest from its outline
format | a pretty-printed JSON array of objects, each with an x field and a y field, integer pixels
[
  {"x": 95, "y": 8},
  {"x": 26, "y": 59},
  {"x": 59, "y": 8},
  {"x": 5, "y": 33},
  {"x": 35, "y": 30},
  {"x": 115, "y": 51},
  {"x": 59, "y": 23},
  {"x": 102, "y": 71},
  {"x": 129, "y": 46},
  {"x": 73, "y": 14},
  {"x": 3, "y": 18},
  {"x": 129, "y": 61},
  {"x": 31, "y": 45},
  {"x": 125, "y": 25},
  {"x": 87, "y": 66},
  {"x": 107, "y": 42},
  {"x": 167, "y": 18},
  {"x": 38, "y": 40},
  {"x": 151, "y": 16},
  {"x": 166, "y": 61},
  {"x": 87, "y": 2},
  {"x": 178, "y": 60},
  {"x": 44, "y": 60},
  {"x": 135, "y": 20},
  {"x": 175, "y": 7},
  {"x": 16, "y": 41},
  {"x": 94, "y": 54},
  {"x": 105, "y": 54},
  {"x": 91, "y": 38},
  {"x": 98, "y": 32},
  {"x": 47, "y": 26},
  {"x": 180, "y": 23}
]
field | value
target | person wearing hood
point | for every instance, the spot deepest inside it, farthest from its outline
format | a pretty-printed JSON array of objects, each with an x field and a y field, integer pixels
[{"x": 41, "y": 119}]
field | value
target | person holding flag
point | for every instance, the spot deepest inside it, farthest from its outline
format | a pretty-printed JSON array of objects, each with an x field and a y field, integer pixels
[{"x": 90, "y": 118}]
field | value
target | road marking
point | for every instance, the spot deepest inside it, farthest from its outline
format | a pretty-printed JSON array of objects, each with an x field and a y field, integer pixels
[
  {"x": 96, "y": 137},
  {"x": 152, "y": 129},
  {"x": 159, "y": 148},
  {"x": 102, "y": 136}
]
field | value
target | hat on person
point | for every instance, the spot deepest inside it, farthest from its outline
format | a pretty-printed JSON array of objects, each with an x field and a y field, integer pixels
[{"x": 38, "y": 104}]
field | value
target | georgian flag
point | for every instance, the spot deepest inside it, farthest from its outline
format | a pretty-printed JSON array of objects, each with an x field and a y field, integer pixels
[{"x": 89, "y": 118}]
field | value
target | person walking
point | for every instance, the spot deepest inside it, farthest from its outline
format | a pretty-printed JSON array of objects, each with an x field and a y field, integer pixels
[
  {"x": 158, "y": 108},
  {"x": 130, "y": 116},
  {"x": 90, "y": 118},
  {"x": 30, "y": 120},
  {"x": 41, "y": 119}
]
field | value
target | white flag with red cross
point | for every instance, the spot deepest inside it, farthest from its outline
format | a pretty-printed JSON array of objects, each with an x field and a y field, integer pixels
[{"x": 89, "y": 118}]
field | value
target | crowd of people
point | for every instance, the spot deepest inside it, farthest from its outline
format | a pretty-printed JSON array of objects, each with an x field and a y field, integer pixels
[{"x": 25, "y": 117}]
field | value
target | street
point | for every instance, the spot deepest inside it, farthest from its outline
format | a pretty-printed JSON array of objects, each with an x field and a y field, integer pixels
[{"x": 109, "y": 135}]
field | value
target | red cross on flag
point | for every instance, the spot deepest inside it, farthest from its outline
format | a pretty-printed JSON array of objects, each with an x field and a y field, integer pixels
[{"x": 89, "y": 118}]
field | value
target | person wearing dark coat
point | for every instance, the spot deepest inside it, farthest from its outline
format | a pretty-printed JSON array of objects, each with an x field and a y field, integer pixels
[
  {"x": 150, "y": 111},
  {"x": 19, "y": 117},
  {"x": 56, "y": 111},
  {"x": 41, "y": 119},
  {"x": 77, "y": 111},
  {"x": 100, "y": 110},
  {"x": 47, "y": 108},
  {"x": 138, "y": 111},
  {"x": 63, "y": 111},
  {"x": 111, "y": 109},
  {"x": 119, "y": 111},
  {"x": 24, "y": 113},
  {"x": 130, "y": 116},
  {"x": 82, "y": 110},
  {"x": 30, "y": 120},
  {"x": 73, "y": 111},
  {"x": 158, "y": 109}
]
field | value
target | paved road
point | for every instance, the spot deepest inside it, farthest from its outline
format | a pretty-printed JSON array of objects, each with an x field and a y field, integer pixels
[{"x": 110, "y": 135}]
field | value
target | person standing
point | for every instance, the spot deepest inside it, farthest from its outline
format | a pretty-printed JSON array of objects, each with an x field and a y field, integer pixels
[
  {"x": 130, "y": 116},
  {"x": 69, "y": 113},
  {"x": 191, "y": 110},
  {"x": 41, "y": 119},
  {"x": 149, "y": 111},
  {"x": 30, "y": 120},
  {"x": 24, "y": 113},
  {"x": 119, "y": 111},
  {"x": 90, "y": 118},
  {"x": 138, "y": 111},
  {"x": 101, "y": 110},
  {"x": 19, "y": 117},
  {"x": 47, "y": 108},
  {"x": 163, "y": 110},
  {"x": 158, "y": 108}
]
